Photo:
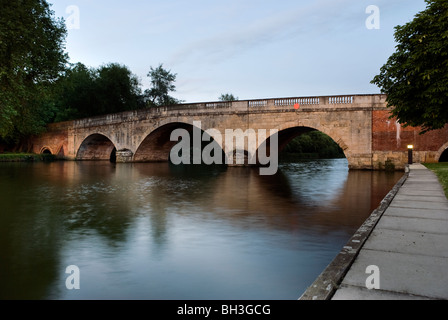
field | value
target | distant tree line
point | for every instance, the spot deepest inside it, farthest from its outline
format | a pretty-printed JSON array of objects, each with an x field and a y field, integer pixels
[
  {"x": 227, "y": 97},
  {"x": 85, "y": 92},
  {"x": 314, "y": 144}
]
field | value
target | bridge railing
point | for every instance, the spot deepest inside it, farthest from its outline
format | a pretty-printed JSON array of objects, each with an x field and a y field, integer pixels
[
  {"x": 226, "y": 104},
  {"x": 293, "y": 101},
  {"x": 303, "y": 101},
  {"x": 340, "y": 101},
  {"x": 284, "y": 102}
]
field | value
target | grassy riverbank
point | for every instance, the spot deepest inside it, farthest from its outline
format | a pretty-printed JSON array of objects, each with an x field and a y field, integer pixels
[
  {"x": 25, "y": 157},
  {"x": 441, "y": 170}
]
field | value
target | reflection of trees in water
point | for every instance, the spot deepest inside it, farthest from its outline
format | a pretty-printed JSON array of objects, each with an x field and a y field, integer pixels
[
  {"x": 99, "y": 201},
  {"x": 30, "y": 233},
  {"x": 47, "y": 206},
  {"x": 29, "y": 255}
]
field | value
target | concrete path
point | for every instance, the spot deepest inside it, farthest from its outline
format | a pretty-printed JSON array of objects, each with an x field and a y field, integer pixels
[{"x": 409, "y": 245}]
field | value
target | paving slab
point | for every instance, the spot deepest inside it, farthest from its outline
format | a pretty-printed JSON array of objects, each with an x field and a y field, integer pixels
[
  {"x": 404, "y": 191},
  {"x": 414, "y": 224},
  {"x": 346, "y": 292},
  {"x": 438, "y": 214},
  {"x": 409, "y": 242},
  {"x": 402, "y": 273},
  {"x": 418, "y": 204},
  {"x": 424, "y": 198}
]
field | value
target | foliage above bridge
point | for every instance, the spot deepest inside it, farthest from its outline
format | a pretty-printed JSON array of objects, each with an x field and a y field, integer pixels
[{"x": 415, "y": 77}]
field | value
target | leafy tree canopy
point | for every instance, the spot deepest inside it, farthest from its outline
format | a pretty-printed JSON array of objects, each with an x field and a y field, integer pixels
[
  {"x": 32, "y": 44},
  {"x": 228, "y": 97},
  {"x": 415, "y": 77},
  {"x": 85, "y": 92},
  {"x": 162, "y": 82}
]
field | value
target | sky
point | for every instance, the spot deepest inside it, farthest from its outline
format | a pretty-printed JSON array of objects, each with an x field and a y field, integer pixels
[{"x": 251, "y": 49}]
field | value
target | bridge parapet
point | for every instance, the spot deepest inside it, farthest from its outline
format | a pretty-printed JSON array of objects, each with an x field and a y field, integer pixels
[
  {"x": 164, "y": 111},
  {"x": 335, "y": 102}
]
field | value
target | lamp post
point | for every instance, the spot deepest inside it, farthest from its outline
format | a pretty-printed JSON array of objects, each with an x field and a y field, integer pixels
[{"x": 410, "y": 149}]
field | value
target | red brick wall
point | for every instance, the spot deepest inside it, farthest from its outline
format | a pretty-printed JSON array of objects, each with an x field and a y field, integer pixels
[
  {"x": 55, "y": 141},
  {"x": 386, "y": 138}
]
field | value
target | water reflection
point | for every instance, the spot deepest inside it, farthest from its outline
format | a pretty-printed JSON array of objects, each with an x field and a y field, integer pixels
[{"x": 158, "y": 231}]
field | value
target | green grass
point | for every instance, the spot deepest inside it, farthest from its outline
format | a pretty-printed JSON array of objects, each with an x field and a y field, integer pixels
[
  {"x": 441, "y": 170},
  {"x": 25, "y": 157}
]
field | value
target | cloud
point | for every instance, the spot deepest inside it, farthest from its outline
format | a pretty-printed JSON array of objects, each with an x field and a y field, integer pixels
[{"x": 304, "y": 21}]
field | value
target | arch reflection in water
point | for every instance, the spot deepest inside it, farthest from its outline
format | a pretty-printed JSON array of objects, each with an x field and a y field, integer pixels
[{"x": 157, "y": 231}]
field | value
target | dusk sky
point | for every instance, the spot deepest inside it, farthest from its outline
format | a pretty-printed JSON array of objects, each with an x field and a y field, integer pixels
[{"x": 252, "y": 49}]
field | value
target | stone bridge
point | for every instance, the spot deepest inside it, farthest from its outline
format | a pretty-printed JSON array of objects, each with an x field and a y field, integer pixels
[{"x": 359, "y": 124}]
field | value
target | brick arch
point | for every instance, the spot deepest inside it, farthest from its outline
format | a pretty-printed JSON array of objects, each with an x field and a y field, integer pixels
[
  {"x": 45, "y": 149},
  {"x": 95, "y": 146},
  {"x": 59, "y": 150},
  {"x": 440, "y": 151}
]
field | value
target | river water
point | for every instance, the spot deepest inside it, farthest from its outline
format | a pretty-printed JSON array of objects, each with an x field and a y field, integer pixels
[{"x": 159, "y": 231}]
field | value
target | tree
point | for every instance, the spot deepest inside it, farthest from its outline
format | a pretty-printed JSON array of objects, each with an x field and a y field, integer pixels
[
  {"x": 415, "y": 77},
  {"x": 32, "y": 57},
  {"x": 162, "y": 82},
  {"x": 74, "y": 95},
  {"x": 117, "y": 89},
  {"x": 85, "y": 92},
  {"x": 228, "y": 97}
]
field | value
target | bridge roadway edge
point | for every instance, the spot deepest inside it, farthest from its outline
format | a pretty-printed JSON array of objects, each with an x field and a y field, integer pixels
[{"x": 326, "y": 284}]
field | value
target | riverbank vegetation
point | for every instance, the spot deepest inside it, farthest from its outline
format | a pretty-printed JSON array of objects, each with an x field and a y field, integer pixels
[
  {"x": 312, "y": 145},
  {"x": 441, "y": 170},
  {"x": 26, "y": 157}
]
